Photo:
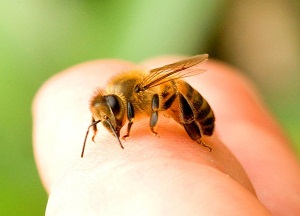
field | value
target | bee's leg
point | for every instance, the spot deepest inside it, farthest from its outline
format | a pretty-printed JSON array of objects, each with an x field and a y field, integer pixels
[
  {"x": 186, "y": 111},
  {"x": 130, "y": 116},
  {"x": 189, "y": 123},
  {"x": 154, "y": 115},
  {"x": 204, "y": 144},
  {"x": 94, "y": 129},
  {"x": 193, "y": 131},
  {"x": 87, "y": 133}
]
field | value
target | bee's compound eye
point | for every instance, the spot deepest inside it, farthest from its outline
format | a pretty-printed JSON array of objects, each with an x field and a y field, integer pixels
[{"x": 113, "y": 103}]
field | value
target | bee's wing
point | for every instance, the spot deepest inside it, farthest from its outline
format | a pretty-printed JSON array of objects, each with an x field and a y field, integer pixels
[{"x": 173, "y": 71}]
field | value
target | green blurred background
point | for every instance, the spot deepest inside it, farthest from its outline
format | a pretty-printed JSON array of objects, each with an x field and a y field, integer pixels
[{"x": 41, "y": 38}]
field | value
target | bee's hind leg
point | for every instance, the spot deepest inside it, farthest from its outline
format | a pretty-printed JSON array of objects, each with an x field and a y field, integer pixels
[
  {"x": 154, "y": 115},
  {"x": 204, "y": 144}
]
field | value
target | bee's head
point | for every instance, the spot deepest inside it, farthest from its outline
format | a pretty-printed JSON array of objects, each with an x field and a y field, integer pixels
[{"x": 109, "y": 110}]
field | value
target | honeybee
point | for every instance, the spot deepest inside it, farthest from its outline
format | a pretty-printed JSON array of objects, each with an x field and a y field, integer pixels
[{"x": 135, "y": 94}]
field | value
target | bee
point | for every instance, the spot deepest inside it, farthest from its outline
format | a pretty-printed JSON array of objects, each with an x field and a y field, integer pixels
[{"x": 136, "y": 94}]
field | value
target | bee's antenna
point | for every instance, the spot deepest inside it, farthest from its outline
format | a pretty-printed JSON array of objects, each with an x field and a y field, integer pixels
[
  {"x": 115, "y": 133},
  {"x": 87, "y": 133}
]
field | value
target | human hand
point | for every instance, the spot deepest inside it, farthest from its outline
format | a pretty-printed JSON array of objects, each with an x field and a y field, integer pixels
[{"x": 169, "y": 175}]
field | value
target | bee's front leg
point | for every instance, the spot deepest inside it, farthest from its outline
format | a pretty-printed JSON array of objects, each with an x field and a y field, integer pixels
[
  {"x": 94, "y": 125},
  {"x": 130, "y": 116},
  {"x": 154, "y": 115},
  {"x": 87, "y": 133}
]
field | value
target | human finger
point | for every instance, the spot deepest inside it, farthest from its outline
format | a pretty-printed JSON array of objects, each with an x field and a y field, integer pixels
[{"x": 56, "y": 146}]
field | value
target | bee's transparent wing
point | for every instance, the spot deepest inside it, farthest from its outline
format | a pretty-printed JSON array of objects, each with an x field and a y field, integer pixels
[{"x": 184, "y": 68}]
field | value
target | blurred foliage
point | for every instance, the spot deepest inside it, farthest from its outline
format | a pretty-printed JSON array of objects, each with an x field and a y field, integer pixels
[{"x": 41, "y": 38}]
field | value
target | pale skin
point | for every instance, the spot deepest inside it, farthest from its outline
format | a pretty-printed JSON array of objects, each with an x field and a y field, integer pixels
[{"x": 252, "y": 169}]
